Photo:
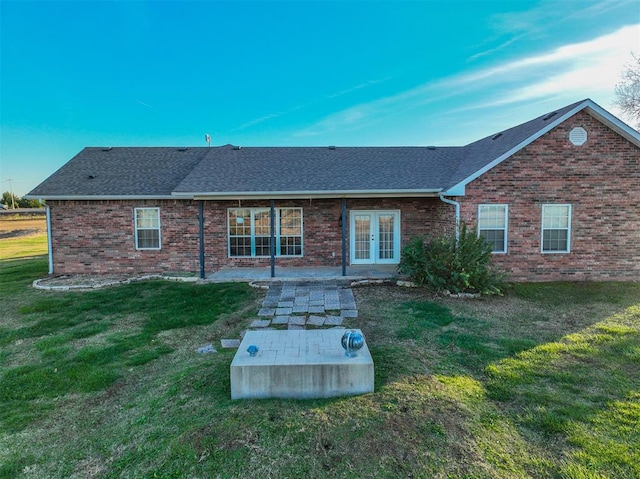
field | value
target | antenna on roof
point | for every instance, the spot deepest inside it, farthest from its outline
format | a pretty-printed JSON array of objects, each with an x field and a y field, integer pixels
[{"x": 207, "y": 138}]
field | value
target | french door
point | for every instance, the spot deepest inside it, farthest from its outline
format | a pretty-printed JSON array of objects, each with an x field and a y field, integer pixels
[{"x": 375, "y": 237}]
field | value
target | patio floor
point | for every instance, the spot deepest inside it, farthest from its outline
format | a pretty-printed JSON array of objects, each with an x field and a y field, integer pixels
[{"x": 320, "y": 273}]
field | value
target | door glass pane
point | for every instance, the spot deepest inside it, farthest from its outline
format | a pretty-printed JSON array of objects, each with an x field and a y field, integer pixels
[
  {"x": 385, "y": 236},
  {"x": 362, "y": 237}
]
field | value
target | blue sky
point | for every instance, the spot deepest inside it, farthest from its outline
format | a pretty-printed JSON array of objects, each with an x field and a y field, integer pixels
[{"x": 264, "y": 73}]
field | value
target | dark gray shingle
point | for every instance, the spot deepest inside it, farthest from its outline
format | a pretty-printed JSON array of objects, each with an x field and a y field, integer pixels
[{"x": 225, "y": 170}]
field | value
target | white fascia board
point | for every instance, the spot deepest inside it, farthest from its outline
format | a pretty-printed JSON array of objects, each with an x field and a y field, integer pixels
[
  {"x": 461, "y": 185},
  {"x": 457, "y": 190},
  {"x": 261, "y": 195},
  {"x": 101, "y": 197},
  {"x": 613, "y": 122}
]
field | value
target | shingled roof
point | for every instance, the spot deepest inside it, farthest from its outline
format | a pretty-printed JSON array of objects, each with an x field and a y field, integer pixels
[{"x": 233, "y": 172}]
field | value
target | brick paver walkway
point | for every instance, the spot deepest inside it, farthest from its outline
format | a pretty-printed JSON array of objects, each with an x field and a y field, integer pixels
[{"x": 298, "y": 304}]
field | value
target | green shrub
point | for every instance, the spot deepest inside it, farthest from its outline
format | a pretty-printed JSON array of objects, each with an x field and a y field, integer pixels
[{"x": 462, "y": 266}]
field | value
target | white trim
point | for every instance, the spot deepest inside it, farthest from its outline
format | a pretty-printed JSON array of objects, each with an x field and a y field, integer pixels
[
  {"x": 252, "y": 195},
  {"x": 135, "y": 228},
  {"x": 542, "y": 229},
  {"x": 252, "y": 213},
  {"x": 265, "y": 195},
  {"x": 506, "y": 225},
  {"x": 103, "y": 197}
]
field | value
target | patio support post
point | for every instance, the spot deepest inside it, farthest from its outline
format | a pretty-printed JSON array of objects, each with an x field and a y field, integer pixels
[
  {"x": 272, "y": 243},
  {"x": 201, "y": 231},
  {"x": 344, "y": 236}
]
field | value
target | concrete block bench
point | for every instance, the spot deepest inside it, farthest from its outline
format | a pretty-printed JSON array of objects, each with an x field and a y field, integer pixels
[{"x": 300, "y": 364}]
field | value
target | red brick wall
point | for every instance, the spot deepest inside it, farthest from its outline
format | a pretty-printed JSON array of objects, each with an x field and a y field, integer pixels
[
  {"x": 322, "y": 234},
  {"x": 98, "y": 236},
  {"x": 600, "y": 179}
]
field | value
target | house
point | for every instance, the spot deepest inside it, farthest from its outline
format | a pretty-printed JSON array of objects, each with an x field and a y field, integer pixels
[{"x": 558, "y": 197}]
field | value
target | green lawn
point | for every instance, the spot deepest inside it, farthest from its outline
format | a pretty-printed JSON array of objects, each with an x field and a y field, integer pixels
[{"x": 543, "y": 382}]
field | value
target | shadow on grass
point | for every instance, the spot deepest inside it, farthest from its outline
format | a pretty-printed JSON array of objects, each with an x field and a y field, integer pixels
[
  {"x": 84, "y": 342},
  {"x": 578, "y": 391}
]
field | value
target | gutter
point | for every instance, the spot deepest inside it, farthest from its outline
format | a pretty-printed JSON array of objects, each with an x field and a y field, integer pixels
[
  {"x": 49, "y": 241},
  {"x": 101, "y": 197},
  {"x": 457, "y": 205},
  {"x": 257, "y": 195}
]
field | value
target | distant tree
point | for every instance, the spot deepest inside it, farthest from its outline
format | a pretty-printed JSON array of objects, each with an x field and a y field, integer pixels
[
  {"x": 10, "y": 200},
  {"x": 628, "y": 90},
  {"x": 25, "y": 203},
  {"x": 13, "y": 201}
]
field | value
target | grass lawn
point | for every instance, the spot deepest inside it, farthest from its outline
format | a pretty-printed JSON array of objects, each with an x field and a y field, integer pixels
[
  {"x": 543, "y": 382},
  {"x": 22, "y": 237}
]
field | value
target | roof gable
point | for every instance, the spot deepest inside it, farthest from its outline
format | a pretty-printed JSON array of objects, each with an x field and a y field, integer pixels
[{"x": 485, "y": 154}]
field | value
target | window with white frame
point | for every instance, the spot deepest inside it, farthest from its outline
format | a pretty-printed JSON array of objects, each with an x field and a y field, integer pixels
[
  {"x": 250, "y": 232},
  {"x": 147, "y": 228},
  {"x": 492, "y": 226},
  {"x": 556, "y": 228}
]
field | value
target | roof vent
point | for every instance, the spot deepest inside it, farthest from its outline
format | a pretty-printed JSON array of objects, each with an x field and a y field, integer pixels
[
  {"x": 578, "y": 136},
  {"x": 332, "y": 147},
  {"x": 107, "y": 148},
  {"x": 91, "y": 177},
  {"x": 183, "y": 148},
  {"x": 237, "y": 147},
  {"x": 550, "y": 115},
  {"x": 496, "y": 136},
  {"x": 431, "y": 147}
]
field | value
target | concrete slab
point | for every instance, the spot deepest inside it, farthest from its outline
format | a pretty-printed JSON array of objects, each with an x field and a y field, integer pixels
[
  {"x": 281, "y": 320},
  {"x": 299, "y": 364},
  {"x": 316, "y": 320},
  {"x": 260, "y": 323},
  {"x": 333, "y": 320}
]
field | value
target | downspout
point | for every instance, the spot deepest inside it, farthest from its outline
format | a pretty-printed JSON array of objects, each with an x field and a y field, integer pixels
[
  {"x": 457, "y": 205},
  {"x": 201, "y": 234},
  {"x": 49, "y": 241}
]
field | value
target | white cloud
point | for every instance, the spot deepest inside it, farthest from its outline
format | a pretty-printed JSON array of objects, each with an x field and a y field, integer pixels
[{"x": 568, "y": 73}]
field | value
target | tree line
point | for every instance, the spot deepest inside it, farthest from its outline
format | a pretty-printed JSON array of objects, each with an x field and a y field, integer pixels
[{"x": 12, "y": 201}]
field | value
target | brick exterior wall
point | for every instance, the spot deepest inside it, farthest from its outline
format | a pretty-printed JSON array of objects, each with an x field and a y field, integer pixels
[
  {"x": 90, "y": 237},
  {"x": 98, "y": 237},
  {"x": 600, "y": 179}
]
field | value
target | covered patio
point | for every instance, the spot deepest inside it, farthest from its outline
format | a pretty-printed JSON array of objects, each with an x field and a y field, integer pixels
[{"x": 319, "y": 273}]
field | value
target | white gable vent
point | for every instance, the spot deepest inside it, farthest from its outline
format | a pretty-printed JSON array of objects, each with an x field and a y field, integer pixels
[{"x": 578, "y": 136}]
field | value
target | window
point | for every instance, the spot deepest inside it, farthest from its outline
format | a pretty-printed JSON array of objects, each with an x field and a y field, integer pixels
[
  {"x": 147, "y": 228},
  {"x": 492, "y": 226},
  {"x": 250, "y": 232},
  {"x": 556, "y": 228}
]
